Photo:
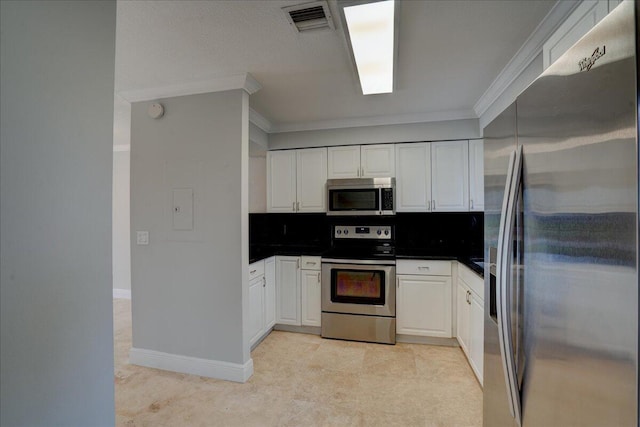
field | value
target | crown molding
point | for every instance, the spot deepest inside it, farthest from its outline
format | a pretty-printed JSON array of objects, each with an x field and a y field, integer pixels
[
  {"x": 239, "y": 81},
  {"x": 259, "y": 120},
  {"x": 438, "y": 116},
  {"x": 526, "y": 54}
]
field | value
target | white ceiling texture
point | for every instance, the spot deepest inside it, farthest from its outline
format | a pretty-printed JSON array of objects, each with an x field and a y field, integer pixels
[{"x": 449, "y": 53}]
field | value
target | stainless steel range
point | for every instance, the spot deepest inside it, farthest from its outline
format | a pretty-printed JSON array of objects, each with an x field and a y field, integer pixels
[{"x": 358, "y": 284}]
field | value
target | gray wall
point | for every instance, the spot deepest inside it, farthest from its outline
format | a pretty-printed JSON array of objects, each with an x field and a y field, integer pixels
[
  {"x": 121, "y": 221},
  {"x": 412, "y": 132},
  {"x": 187, "y": 285},
  {"x": 56, "y": 346}
]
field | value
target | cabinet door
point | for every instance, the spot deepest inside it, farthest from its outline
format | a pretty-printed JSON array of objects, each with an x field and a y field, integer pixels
[
  {"x": 288, "y": 290},
  {"x": 256, "y": 309},
  {"x": 423, "y": 306},
  {"x": 270, "y": 293},
  {"x": 311, "y": 169},
  {"x": 310, "y": 297},
  {"x": 450, "y": 176},
  {"x": 281, "y": 181},
  {"x": 476, "y": 175},
  {"x": 476, "y": 335},
  {"x": 343, "y": 162},
  {"x": 413, "y": 177},
  {"x": 377, "y": 161},
  {"x": 462, "y": 316}
]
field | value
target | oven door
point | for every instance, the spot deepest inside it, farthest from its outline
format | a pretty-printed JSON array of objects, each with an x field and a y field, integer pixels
[{"x": 359, "y": 287}]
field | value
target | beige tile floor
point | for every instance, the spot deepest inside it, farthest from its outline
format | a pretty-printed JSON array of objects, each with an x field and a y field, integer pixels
[{"x": 304, "y": 380}]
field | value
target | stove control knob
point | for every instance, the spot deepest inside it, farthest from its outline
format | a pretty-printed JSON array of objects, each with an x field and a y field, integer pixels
[
  {"x": 338, "y": 232},
  {"x": 379, "y": 232},
  {"x": 386, "y": 232},
  {"x": 346, "y": 231}
]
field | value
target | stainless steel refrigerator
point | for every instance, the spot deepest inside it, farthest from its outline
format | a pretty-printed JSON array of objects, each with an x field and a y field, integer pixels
[{"x": 561, "y": 240}]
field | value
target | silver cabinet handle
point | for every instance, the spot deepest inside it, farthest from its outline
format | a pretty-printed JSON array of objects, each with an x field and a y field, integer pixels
[
  {"x": 471, "y": 203},
  {"x": 264, "y": 282},
  {"x": 318, "y": 276},
  {"x": 252, "y": 271},
  {"x": 397, "y": 282},
  {"x": 429, "y": 205},
  {"x": 433, "y": 205},
  {"x": 503, "y": 282},
  {"x": 297, "y": 206},
  {"x": 298, "y": 263},
  {"x": 423, "y": 268},
  {"x": 361, "y": 171},
  {"x": 293, "y": 206}
]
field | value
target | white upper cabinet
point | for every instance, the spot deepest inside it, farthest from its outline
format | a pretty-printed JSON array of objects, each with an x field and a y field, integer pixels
[
  {"x": 311, "y": 180},
  {"x": 377, "y": 161},
  {"x": 476, "y": 175},
  {"x": 344, "y": 162},
  {"x": 296, "y": 180},
  {"x": 581, "y": 20},
  {"x": 361, "y": 161},
  {"x": 413, "y": 177},
  {"x": 450, "y": 176}
]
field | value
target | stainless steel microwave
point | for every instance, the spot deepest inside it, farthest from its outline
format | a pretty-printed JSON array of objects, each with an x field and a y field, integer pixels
[{"x": 361, "y": 196}]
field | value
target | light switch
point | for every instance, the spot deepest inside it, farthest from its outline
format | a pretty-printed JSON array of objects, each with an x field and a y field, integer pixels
[{"x": 142, "y": 237}]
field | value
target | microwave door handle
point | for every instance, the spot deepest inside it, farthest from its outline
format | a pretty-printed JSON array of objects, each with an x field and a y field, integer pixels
[{"x": 503, "y": 278}]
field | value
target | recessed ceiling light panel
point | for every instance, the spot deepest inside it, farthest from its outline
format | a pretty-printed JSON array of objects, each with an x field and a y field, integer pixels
[{"x": 371, "y": 32}]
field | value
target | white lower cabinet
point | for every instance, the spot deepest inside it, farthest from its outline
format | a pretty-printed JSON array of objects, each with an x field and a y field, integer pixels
[
  {"x": 270, "y": 292},
  {"x": 298, "y": 290},
  {"x": 470, "y": 318},
  {"x": 423, "y": 298},
  {"x": 261, "y": 299},
  {"x": 310, "y": 298},
  {"x": 256, "y": 309},
  {"x": 288, "y": 290}
]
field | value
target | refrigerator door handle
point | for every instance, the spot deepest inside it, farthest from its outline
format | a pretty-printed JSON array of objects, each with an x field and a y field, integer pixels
[{"x": 503, "y": 278}]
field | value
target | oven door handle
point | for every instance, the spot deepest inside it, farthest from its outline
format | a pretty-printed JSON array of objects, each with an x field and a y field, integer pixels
[{"x": 359, "y": 261}]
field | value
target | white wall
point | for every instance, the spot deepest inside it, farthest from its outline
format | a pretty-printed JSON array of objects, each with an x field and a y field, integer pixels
[
  {"x": 187, "y": 286},
  {"x": 121, "y": 224},
  {"x": 257, "y": 184},
  {"x": 56, "y": 127},
  {"x": 431, "y": 131}
]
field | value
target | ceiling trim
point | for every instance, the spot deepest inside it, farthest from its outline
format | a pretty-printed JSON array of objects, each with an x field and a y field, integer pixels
[
  {"x": 259, "y": 120},
  {"x": 238, "y": 81},
  {"x": 376, "y": 121},
  {"x": 526, "y": 54}
]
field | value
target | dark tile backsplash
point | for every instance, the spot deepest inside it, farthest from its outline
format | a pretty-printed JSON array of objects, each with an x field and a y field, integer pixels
[
  {"x": 457, "y": 234},
  {"x": 429, "y": 234}
]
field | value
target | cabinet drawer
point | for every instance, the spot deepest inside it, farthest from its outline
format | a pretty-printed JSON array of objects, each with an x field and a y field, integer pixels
[
  {"x": 472, "y": 279},
  {"x": 256, "y": 270},
  {"x": 310, "y": 262},
  {"x": 423, "y": 267}
]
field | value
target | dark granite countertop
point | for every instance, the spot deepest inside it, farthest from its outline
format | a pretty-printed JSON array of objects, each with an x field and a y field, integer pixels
[{"x": 259, "y": 252}]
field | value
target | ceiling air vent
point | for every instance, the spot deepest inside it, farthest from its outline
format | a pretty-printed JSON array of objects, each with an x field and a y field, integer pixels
[{"x": 309, "y": 16}]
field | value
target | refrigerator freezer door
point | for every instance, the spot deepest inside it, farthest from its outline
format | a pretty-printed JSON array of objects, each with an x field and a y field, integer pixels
[
  {"x": 499, "y": 143},
  {"x": 577, "y": 126}
]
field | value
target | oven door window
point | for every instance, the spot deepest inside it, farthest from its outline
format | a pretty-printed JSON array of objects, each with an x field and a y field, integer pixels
[
  {"x": 358, "y": 286},
  {"x": 361, "y": 199}
]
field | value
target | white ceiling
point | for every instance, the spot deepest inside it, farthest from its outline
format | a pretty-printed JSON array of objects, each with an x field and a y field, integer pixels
[{"x": 449, "y": 54}]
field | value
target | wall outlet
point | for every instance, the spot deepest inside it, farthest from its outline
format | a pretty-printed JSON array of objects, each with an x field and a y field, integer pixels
[{"x": 142, "y": 237}]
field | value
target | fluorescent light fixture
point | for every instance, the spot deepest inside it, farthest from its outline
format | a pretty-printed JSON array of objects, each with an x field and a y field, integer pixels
[{"x": 371, "y": 31}]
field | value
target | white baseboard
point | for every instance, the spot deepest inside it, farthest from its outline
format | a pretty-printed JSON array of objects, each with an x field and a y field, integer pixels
[
  {"x": 122, "y": 293},
  {"x": 192, "y": 365}
]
